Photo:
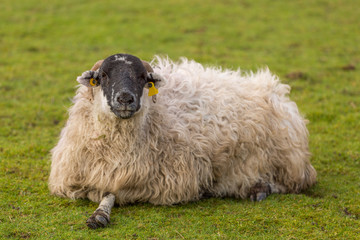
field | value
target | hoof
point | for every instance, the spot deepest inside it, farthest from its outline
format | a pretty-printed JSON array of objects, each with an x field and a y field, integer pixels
[
  {"x": 98, "y": 219},
  {"x": 259, "y": 192}
]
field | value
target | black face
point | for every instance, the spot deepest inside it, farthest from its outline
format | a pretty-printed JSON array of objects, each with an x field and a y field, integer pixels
[{"x": 122, "y": 79}]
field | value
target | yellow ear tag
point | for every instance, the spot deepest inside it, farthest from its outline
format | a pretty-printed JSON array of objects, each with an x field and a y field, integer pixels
[
  {"x": 152, "y": 91},
  {"x": 93, "y": 82}
]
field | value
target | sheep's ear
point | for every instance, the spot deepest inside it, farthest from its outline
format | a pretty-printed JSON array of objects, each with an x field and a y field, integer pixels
[
  {"x": 147, "y": 66},
  {"x": 155, "y": 81},
  {"x": 89, "y": 78},
  {"x": 155, "y": 78}
]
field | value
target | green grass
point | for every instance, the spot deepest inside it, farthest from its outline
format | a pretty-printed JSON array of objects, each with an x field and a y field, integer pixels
[{"x": 44, "y": 46}]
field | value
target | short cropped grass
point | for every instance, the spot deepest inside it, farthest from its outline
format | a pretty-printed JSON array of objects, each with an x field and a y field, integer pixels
[{"x": 311, "y": 45}]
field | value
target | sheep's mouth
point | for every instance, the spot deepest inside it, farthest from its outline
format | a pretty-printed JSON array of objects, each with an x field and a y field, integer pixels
[{"x": 124, "y": 114}]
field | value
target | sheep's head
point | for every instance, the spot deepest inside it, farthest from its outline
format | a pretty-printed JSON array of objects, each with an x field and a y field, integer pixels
[{"x": 122, "y": 78}]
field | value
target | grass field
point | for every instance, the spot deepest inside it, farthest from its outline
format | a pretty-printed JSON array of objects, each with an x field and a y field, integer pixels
[{"x": 311, "y": 45}]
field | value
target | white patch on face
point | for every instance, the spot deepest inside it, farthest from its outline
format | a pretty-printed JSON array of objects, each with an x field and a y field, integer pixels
[
  {"x": 104, "y": 104},
  {"x": 117, "y": 58},
  {"x": 101, "y": 102},
  {"x": 112, "y": 94}
]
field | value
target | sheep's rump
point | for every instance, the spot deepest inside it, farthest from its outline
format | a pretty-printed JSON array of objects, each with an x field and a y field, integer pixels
[{"x": 211, "y": 131}]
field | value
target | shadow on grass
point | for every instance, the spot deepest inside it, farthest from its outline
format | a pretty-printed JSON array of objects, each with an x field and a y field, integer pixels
[{"x": 316, "y": 191}]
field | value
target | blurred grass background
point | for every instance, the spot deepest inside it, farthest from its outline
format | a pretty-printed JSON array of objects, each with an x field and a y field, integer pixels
[{"x": 311, "y": 45}]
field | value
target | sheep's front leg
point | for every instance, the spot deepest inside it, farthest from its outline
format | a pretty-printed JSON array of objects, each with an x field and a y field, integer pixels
[{"x": 101, "y": 216}]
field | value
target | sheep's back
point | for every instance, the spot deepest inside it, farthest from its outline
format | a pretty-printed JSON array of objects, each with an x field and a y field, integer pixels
[{"x": 224, "y": 115}]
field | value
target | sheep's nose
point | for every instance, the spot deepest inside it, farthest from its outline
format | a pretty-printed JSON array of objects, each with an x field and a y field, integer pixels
[{"x": 125, "y": 98}]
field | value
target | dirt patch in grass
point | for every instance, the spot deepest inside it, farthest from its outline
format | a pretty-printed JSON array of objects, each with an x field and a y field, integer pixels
[
  {"x": 349, "y": 67},
  {"x": 296, "y": 75},
  {"x": 350, "y": 214}
]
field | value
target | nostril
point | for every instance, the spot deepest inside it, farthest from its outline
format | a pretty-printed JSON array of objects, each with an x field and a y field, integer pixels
[{"x": 125, "y": 98}]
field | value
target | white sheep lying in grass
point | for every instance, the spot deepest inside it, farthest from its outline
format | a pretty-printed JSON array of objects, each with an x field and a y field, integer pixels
[{"x": 212, "y": 132}]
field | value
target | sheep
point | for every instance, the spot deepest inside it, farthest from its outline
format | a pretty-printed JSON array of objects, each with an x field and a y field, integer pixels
[{"x": 210, "y": 132}]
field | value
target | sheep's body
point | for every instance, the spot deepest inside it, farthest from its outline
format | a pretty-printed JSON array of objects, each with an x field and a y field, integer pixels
[{"x": 211, "y": 131}]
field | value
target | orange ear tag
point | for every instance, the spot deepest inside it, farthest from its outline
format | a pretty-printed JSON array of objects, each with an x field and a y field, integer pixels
[
  {"x": 152, "y": 91},
  {"x": 93, "y": 82}
]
